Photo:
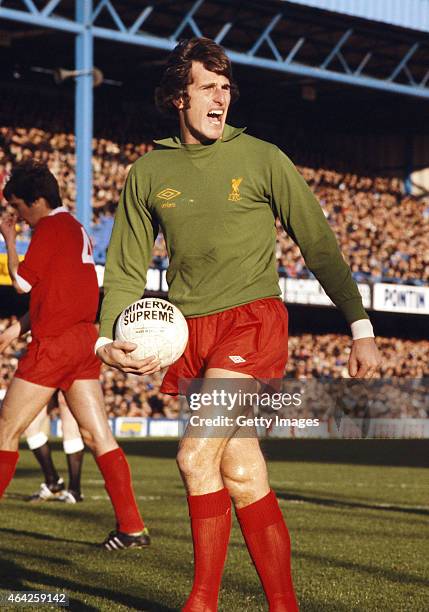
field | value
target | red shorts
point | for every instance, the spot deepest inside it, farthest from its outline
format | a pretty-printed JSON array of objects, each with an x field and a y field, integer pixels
[
  {"x": 57, "y": 361},
  {"x": 250, "y": 339}
]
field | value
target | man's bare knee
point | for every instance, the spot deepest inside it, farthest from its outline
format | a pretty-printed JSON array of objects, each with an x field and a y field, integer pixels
[
  {"x": 244, "y": 472},
  {"x": 199, "y": 463},
  {"x": 10, "y": 431},
  {"x": 190, "y": 462},
  {"x": 102, "y": 443}
]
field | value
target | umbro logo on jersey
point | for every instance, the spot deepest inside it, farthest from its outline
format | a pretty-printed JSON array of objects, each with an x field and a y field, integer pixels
[
  {"x": 236, "y": 359},
  {"x": 167, "y": 194}
]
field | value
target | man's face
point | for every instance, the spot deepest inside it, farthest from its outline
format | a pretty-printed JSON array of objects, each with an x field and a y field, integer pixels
[
  {"x": 209, "y": 99},
  {"x": 30, "y": 214}
]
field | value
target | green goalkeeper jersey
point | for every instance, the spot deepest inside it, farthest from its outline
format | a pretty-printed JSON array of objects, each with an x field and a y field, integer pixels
[{"x": 216, "y": 205}]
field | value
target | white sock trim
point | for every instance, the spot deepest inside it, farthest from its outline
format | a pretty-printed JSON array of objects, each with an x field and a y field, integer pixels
[
  {"x": 37, "y": 440},
  {"x": 73, "y": 446}
]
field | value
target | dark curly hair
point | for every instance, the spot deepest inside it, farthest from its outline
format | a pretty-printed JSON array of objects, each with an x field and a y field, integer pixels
[
  {"x": 31, "y": 180},
  {"x": 177, "y": 74}
]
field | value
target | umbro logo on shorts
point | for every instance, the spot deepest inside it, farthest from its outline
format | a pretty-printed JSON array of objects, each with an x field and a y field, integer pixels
[{"x": 237, "y": 358}]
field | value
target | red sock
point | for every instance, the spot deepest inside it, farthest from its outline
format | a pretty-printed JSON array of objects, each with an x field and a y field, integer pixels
[
  {"x": 268, "y": 542},
  {"x": 117, "y": 479},
  {"x": 8, "y": 461},
  {"x": 211, "y": 526}
]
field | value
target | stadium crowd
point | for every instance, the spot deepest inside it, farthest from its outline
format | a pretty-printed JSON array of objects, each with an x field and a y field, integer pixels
[
  {"x": 311, "y": 358},
  {"x": 383, "y": 234}
]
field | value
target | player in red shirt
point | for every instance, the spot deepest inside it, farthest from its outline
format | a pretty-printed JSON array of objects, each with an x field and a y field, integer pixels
[
  {"x": 53, "y": 487},
  {"x": 59, "y": 272}
]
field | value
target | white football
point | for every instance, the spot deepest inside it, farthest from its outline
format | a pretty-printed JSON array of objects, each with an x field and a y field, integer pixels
[{"x": 157, "y": 327}]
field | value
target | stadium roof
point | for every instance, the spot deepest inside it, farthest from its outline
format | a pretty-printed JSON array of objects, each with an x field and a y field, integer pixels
[
  {"x": 291, "y": 37},
  {"x": 297, "y": 49},
  {"x": 411, "y": 14}
]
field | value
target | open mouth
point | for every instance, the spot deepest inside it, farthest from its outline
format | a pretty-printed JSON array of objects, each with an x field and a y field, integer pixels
[{"x": 215, "y": 116}]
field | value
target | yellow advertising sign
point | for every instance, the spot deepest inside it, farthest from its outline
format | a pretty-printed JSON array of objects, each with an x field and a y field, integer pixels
[
  {"x": 4, "y": 274},
  {"x": 128, "y": 428}
]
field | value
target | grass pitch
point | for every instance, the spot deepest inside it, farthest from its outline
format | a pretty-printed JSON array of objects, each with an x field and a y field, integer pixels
[{"x": 359, "y": 533}]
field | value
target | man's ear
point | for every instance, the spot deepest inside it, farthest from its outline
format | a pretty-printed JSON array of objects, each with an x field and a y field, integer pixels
[
  {"x": 179, "y": 103},
  {"x": 40, "y": 203}
]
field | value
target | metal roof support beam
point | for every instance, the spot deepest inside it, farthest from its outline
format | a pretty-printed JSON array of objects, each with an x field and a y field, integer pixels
[
  {"x": 37, "y": 18},
  {"x": 167, "y": 44},
  {"x": 424, "y": 80},
  {"x": 189, "y": 21},
  {"x": 329, "y": 75},
  {"x": 118, "y": 32},
  {"x": 297, "y": 46},
  {"x": 223, "y": 32},
  {"x": 84, "y": 50},
  {"x": 141, "y": 40},
  {"x": 140, "y": 20},
  {"x": 336, "y": 51},
  {"x": 363, "y": 63},
  {"x": 50, "y": 7},
  {"x": 274, "y": 49},
  {"x": 31, "y": 7},
  {"x": 410, "y": 76},
  {"x": 403, "y": 63},
  {"x": 106, "y": 4},
  {"x": 265, "y": 36}
]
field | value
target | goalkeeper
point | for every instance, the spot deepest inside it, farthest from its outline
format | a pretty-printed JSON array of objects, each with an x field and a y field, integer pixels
[{"x": 215, "y": 192}]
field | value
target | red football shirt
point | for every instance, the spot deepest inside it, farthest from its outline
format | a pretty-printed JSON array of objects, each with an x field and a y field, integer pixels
[{"x": 59, "y": 270}]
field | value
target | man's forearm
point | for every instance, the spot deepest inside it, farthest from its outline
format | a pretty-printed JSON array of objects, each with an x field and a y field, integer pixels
[
  {"x": 302, "y": 216},
  {"x": 25, "y": 323},
  {"x": 20, "y": 284},
  {"x": 12, "y": 259}
]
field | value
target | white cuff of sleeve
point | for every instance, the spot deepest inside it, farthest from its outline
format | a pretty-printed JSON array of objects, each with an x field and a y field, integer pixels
[
  {"x": 23, "y": 284},
  {"x": 362, "y": 329},
  {"x": 101, "y": 342}
]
